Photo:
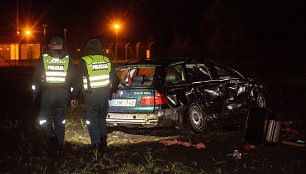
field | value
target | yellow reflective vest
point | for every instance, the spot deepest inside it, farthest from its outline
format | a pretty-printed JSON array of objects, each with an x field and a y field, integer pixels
[
  {"x": 55, "y": 68},
  {"x": 98, "y": 68}
]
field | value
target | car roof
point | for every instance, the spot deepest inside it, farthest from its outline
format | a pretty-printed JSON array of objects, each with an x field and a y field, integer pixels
[{"x": 165, "y": 61}]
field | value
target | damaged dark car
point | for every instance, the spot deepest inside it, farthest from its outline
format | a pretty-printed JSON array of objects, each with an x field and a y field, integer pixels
[{"x": 180, "y": 92}]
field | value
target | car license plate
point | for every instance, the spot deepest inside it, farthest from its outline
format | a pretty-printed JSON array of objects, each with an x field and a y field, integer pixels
[{"x": 123, "y": 102}]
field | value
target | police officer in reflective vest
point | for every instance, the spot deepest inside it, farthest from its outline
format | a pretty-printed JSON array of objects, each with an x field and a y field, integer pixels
[
  {"x": 99, "y": 82},
  {"x": 53, "y": 79}
]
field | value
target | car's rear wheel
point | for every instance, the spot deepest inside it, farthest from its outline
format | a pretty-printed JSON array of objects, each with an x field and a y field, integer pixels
[
  {"x": 196, "y": 118},
  {"x": 261, "y": 100}
]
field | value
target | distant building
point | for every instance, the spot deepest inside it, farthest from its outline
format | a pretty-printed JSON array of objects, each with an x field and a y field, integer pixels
[{"x": 18, "y": 48}]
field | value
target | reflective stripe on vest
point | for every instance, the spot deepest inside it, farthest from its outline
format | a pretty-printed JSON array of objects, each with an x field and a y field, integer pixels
[
  {"x": 98, "y": 68},
  {"x": 56, "y": 69}
]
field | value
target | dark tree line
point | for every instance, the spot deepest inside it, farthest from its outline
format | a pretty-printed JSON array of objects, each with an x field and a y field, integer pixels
[{"x": 273, "y": 30}]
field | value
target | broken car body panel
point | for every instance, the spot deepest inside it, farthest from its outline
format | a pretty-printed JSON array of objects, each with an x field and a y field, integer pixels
[{"x": 159, "y": 92}]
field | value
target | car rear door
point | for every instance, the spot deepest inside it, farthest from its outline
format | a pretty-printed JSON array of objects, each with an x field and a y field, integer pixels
[{"x": 175, "y": 82}]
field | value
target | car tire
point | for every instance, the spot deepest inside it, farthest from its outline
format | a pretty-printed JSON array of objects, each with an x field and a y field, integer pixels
[
  {"x": 196, "y": 118},
  {"x": 261, "y": 100}
]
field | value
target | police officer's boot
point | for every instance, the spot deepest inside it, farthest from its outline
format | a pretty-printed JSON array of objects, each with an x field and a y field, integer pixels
[
  {"x": 103, "y": 145},
  {"x": 96, "y": 151},
  {"x": 52, "y": 146},
  {"x": 59, "y": 149}
]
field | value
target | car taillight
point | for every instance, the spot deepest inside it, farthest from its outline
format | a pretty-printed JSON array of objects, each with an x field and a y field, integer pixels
[
  {"x": 159, "y": 99},
  {"x": 147, "y": 100}
]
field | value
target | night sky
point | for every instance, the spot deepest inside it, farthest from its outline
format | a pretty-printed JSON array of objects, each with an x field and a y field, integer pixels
[{"x": 274, "y": 29}]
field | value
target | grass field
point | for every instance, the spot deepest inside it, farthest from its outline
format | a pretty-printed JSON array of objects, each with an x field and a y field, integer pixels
[{"x": 23, "y": 149}]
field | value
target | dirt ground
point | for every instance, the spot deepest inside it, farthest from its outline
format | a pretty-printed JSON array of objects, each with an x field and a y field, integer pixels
[{"x": 23, "y": 150}]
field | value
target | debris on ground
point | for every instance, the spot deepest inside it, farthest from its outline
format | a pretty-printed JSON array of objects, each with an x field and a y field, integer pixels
[
  {"x": 289, "y": 130},
  {"x": 249, "y": 147},
  {"x": 236, "y": 154},
  {"x": 172, "y": 142},
  {"x": 298, "y": 143},
  {"x": 291, "y": 136}
]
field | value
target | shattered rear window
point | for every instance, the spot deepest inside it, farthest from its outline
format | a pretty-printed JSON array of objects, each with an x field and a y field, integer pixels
[{"x": 136, "y": 76}]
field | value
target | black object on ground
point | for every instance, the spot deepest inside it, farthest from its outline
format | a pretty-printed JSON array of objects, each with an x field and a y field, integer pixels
[{"x": 256, "y": 125}]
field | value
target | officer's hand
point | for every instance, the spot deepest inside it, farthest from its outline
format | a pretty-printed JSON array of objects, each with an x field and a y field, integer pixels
[{"x": 73, "y": 103}]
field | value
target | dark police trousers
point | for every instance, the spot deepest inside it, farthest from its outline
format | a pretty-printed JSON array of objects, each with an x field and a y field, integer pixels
[
  {"x": 54, "y": 103},
  {"x": 95, "y": 112}
]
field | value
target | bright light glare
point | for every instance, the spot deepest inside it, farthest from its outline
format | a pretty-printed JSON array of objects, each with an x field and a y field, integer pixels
[
  {"x": 28, "y": 32},
  {"x": 116, "y": 26}
]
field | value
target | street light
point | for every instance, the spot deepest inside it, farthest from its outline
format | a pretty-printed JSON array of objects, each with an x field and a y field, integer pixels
[
  {"x": 27, "y": 34},
  {"x": 116, "y": 28}
]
